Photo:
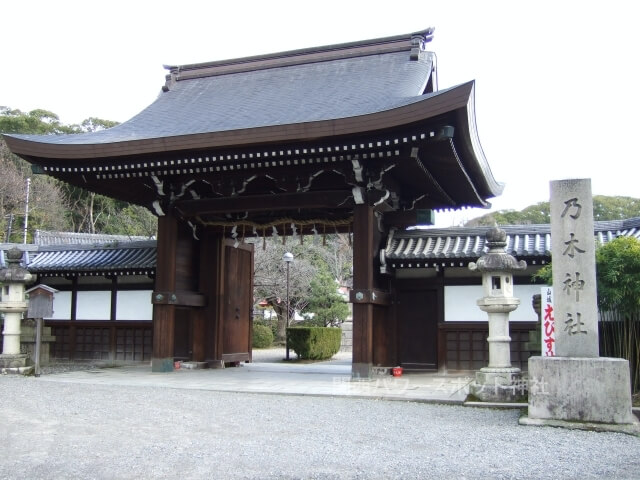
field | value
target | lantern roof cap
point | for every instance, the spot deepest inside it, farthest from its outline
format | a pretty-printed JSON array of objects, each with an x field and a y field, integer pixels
[
  {"x": 14, "y": 272},
  {"x": 497, "y": 259}
]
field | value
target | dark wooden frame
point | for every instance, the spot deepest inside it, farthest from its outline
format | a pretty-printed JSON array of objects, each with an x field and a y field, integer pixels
[
  {"x": 476, "y": 334},
  {"x": 67, "y": 342}
]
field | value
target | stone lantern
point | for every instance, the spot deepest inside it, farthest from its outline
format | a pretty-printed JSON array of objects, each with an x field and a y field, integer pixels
[
  {"x": 499, "y": 381},
  {"x": 13, "y": 304}
]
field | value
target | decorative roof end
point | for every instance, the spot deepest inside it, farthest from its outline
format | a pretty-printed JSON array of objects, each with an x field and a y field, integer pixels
[{"x": 419, "y": 42}]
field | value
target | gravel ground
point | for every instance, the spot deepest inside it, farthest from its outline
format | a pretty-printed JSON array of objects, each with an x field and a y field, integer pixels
[{"x": 56, "y": 430}]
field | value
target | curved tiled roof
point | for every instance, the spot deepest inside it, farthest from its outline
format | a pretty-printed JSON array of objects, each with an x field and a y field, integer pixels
[
  {"x": 431, "y": 247},
  {"x": 373, "y": 102},
  {"x": 296, "y": 94},
  {"x": 302, "y": 86}
]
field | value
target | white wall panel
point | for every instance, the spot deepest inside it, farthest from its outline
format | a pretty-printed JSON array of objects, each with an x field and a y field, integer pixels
[
  {"x": 61, "y": 306},
  {"x": 460, "y": 303},
  {"x": 134, "y": 305},
  {"x": 94, "y": 305}
]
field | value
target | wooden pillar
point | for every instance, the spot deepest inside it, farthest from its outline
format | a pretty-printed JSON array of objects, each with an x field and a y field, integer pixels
[
  {"x": 363, "y": 283},
  {"x": 164, "y": 314},
  {"x": 72, "y": 327},
  {"x": 199, "y": 335},
  {"x": 112, "y": 317}
]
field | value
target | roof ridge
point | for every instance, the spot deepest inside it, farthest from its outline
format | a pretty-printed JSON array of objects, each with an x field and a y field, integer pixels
[
  {"x": 410, "y": 42},
  {"x": 58, "y": 237}
]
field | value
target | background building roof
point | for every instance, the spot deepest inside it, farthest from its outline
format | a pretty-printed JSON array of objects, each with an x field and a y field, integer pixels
[
  {"x": 45, "y": 237},
  {"x": 455, "y": 246}
]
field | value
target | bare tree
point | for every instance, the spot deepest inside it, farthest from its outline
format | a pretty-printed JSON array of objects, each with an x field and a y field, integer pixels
[
  {"x": 11, "y": 193},
  {"x": 337, "y": 253},
  {"x": 47, "y": 209},
  {"x": 271, "y": 278}
]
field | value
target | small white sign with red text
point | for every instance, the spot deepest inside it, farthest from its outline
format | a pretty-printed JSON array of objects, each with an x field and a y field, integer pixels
[{"x": 548, "y": 323}]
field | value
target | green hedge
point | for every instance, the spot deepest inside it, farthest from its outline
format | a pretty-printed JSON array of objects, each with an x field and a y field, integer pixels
[
  {"x": 314, "y": 343},
  {"x": 262, "y": 336}
]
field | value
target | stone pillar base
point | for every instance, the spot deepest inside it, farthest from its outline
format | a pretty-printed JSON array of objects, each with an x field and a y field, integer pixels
[
  {"x": 580, "y": 393},
  {"x": 162, "y": 365},
  {"x": 361, "y": 371},
  {"x": 499, "y": 385},
  {"x": 15, "y": 363}
]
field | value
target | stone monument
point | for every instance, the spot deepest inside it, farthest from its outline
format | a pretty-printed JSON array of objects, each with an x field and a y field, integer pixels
[
  {"x": 577, "y": 388},
  {"x": 13, "y": 305},
  {"x": 498, "y": 382}
]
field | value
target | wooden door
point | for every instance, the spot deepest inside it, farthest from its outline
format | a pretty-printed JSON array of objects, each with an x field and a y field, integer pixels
[
  {"x": 237, "y": 302},
  {"x": 182, "y": 335},
  {"x": 418, "y": 329}
]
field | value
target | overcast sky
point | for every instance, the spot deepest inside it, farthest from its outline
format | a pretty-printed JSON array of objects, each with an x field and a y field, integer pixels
[{"x": 556, "y": 81}]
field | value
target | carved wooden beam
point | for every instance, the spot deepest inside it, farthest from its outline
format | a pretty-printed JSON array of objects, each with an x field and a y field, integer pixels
[{"x": 281, "y": 201}]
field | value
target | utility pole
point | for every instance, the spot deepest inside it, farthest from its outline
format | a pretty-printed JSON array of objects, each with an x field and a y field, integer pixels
[
  {"x": 26, "y": 211},
  {"x": 287, "y": 258},
  {"x": 9, "y": 227}
]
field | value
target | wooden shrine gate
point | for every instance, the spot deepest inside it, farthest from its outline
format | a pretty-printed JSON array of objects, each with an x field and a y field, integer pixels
[{"x": 352, "y": 137}]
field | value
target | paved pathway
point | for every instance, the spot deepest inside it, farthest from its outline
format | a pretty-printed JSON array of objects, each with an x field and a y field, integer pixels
[{"x": 268, "y": 374}]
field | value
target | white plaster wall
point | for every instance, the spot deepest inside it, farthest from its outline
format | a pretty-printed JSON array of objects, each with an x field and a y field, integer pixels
[
  {"x": 134, "y": 305},
  {"x": 61, "y": 306},
  {"x": 94, "y": 305},
  {"x": 460, "y": 303}
]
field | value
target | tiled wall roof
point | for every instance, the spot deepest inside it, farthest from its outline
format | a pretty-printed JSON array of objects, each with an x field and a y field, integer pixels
[
  {"x": 459, "y": 245},
  {"x": 138, "y": 258},
  {"x": 405, "y": 249}
]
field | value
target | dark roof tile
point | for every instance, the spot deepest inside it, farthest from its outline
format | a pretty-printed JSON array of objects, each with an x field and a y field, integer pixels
[
  {"x": 121, "y": 258},
  {"x": 425, "y": 246},
  {"x": 45, "y": 237},
  {"x": 300, "y": 93}
]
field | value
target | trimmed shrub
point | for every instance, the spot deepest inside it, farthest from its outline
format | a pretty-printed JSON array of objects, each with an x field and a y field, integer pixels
[
  {"x": 262, "y": 336},
  {"x": 314, "y": 343}
]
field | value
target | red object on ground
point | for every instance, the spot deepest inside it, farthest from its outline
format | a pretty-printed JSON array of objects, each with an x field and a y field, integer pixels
[{"x": 396, "y": 371}]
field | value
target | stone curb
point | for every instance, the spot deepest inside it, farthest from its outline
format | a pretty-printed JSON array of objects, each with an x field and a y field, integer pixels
[{"x": 496, "y": 405}]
